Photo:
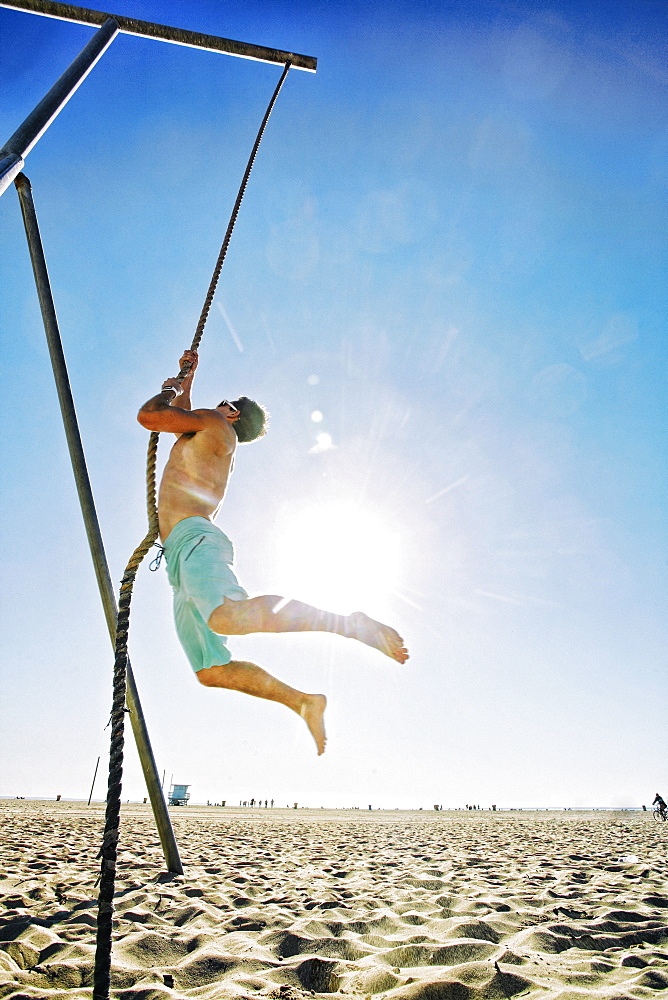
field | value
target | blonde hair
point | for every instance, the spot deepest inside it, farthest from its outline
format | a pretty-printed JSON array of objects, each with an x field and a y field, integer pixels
[{"x": 252, "y": 424}]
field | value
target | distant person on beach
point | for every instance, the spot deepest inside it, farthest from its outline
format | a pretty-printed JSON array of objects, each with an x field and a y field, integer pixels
[
  {"x": 660, "y": 804},
  {"x": 209, "y": 603}
]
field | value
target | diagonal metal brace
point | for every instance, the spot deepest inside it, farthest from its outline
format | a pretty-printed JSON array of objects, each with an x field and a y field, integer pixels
[
  {"x": 89, "y": 513},
  {"x": 17, "y": 147}
]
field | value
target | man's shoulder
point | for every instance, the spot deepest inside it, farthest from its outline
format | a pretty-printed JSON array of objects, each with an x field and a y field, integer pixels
[
  {"x": 215, "y": 426},
  {"x": 212, "y": 419},
  {"x": 205, "y": 412}
]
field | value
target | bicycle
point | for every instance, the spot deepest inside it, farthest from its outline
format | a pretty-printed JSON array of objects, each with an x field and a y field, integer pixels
[{"x": 660, "y": 815}]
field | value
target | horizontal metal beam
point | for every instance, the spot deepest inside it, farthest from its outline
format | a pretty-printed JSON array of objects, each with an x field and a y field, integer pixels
[{"x": 179, "y": 36}]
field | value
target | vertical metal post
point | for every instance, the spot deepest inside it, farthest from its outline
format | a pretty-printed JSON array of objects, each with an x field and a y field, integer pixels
[
  {"x": 15, "y": 150},
  {"x": 84, "y": 490}
]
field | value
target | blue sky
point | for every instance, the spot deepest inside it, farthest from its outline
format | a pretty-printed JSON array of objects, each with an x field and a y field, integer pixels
[{"x": 447, "y": 283}]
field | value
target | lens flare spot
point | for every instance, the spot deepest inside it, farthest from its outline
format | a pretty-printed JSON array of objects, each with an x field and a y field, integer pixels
[{"x": 323, "y": 442}]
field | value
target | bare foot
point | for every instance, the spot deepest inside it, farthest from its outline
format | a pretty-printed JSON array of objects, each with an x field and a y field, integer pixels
[
  {"x": 312, "y": 712},
  {"x": 378, "y": 636}
]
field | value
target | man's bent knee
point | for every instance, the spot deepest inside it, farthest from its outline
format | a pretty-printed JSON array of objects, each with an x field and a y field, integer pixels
[
  {"x": 220, "y": 675},
  {"x": 225, "y": 675},
  {"x": 210, "y": 676}
]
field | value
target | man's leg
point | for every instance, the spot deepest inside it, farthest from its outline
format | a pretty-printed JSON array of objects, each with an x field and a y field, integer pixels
[
  {"x": 271, "y": 613},
  {"x": 239, "y": 675}
]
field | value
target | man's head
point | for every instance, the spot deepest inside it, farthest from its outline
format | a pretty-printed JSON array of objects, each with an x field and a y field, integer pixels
[{"x": 249, "y": 419}]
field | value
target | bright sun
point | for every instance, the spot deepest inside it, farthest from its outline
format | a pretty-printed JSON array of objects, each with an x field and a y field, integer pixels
[{"x": 338, "y": 555}]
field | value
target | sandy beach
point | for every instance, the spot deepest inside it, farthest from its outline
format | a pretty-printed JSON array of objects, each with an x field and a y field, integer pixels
[{"x": 287, "y": 903}]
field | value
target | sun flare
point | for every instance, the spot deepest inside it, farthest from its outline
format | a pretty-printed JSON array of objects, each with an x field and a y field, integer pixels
[{"x": 339, "y": 555}]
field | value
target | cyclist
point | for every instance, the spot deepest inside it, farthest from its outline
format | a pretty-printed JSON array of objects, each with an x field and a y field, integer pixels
[{"x": 660, "y": 805}]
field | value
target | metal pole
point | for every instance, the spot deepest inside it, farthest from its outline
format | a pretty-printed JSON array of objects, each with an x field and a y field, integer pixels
[
  {"x": 180, "y": 36},
  {"x": 15, "y": 150},
  {"x": 170, "y": 850},
  {"x": 94, "y": 777}
]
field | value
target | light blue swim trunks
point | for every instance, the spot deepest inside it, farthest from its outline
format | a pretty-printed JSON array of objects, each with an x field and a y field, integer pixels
[{"x": 199, "y": 567}]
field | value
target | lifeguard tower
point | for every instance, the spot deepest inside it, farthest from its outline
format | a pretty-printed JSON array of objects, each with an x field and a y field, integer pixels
[{"x": 179, "y": 795}]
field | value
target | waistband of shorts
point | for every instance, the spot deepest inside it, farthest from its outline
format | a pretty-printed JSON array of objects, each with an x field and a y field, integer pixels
[{"x": 191, "y": 527}]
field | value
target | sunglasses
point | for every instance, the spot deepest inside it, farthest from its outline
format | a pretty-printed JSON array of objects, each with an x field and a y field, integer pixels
[{"x": 226, "y": 402}]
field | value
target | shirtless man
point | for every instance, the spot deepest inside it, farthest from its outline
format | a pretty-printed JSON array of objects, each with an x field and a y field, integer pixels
[{"x": 209, "y": 603}]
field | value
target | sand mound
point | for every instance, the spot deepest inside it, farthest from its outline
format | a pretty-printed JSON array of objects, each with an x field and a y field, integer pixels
[{"x": 282, "y": 904}]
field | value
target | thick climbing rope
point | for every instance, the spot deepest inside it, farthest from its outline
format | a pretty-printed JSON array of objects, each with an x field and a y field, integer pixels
[{"x": 109, "y": 849}]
